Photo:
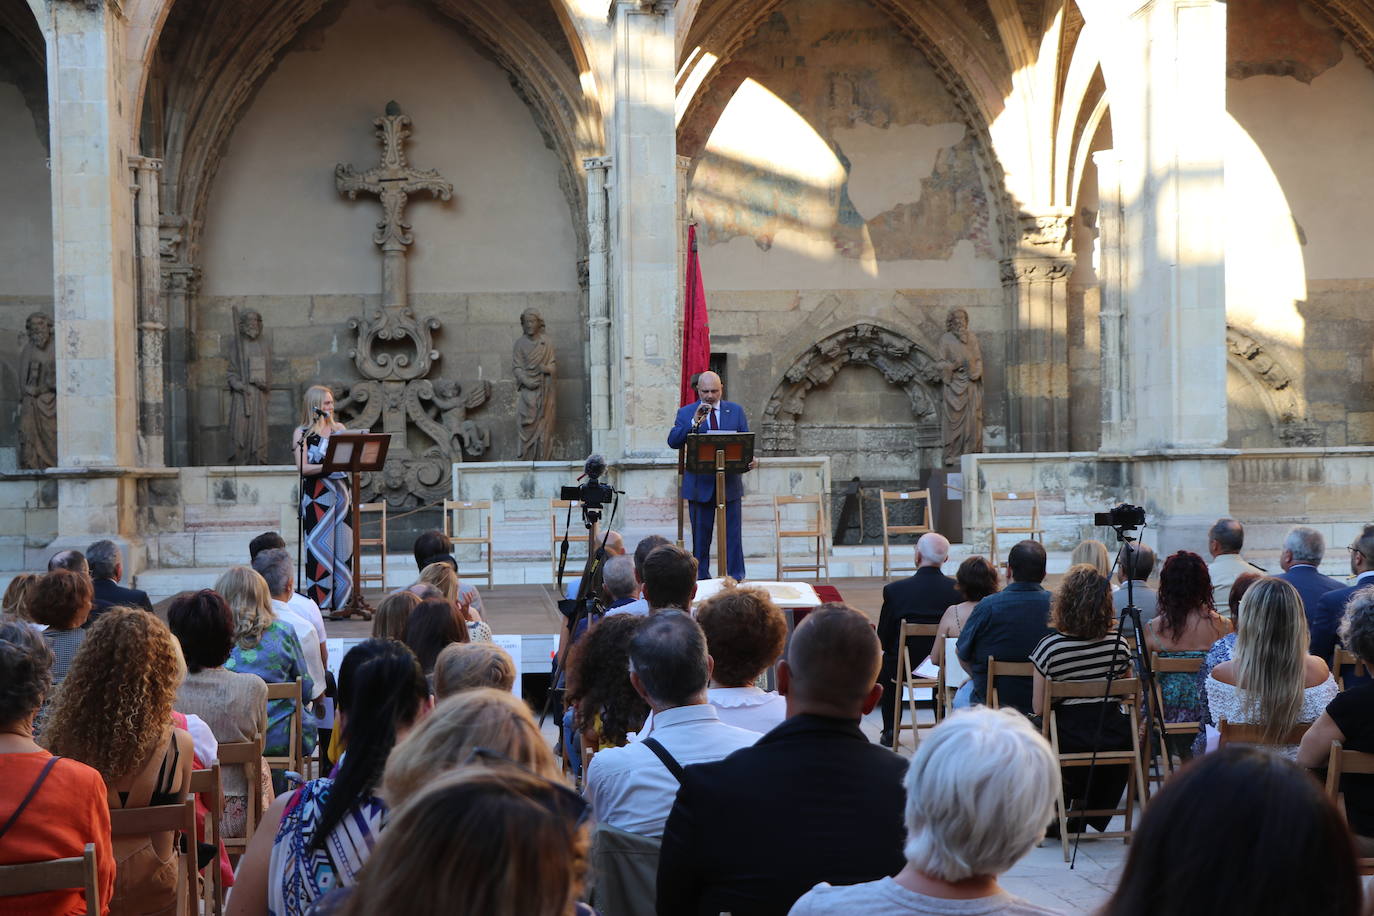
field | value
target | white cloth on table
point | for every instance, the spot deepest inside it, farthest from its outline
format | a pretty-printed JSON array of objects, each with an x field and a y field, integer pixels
[{"x": 1226, "y": 701}]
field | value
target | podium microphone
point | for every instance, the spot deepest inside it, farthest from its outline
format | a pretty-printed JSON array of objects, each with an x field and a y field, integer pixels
[{"x": 320, "y": 413}]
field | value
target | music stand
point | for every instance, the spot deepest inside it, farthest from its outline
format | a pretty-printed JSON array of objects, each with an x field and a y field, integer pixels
[
  {"x": 354, "y": 453},
  {"x": 716, "y": 453}
]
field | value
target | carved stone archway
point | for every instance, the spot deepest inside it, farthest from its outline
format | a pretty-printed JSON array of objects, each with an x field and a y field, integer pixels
[
  {"x": 902, "y": 361},
  {"x": 1277, "y": 386}
]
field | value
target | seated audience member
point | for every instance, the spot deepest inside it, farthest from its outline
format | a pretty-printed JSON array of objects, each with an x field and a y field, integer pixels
[
  {"x": 15, "y": 604},
  {"x": 478, "y": 726},
  {"x": 1085, "y": 645},
  {"x": 318, "y": 837},
  {"x": 978, "y": 790},
  {"x": 646, "y": 546},
  {"x": 1224, "y": 541},
  {"x": 919, "y": 598},
  {"x": 1221, "y": 651},
  {"x": 1349, "y": 719},
  {"x": 1186, "y": 625},
  {"x": 618, "y": 588},
  {"x": 1136, "y": 570},
  {"x": 106, "y": 564},
  {"x": 275, "y": 568},
  {"x": 1272, "y": 680},
  {"x": 1303, "y": 549},
  {"x": 442, "y": 577},
  {"x": 606, "y": 703},
  {"x": 975, "y": 579},
  {"x": 670, "y": 578},
  {"x": 73, "y": 560},
  {"x": 268, "y": 648},
  {"x": 632, "y": 788},
  {"x": 61, "y": 601},
  {"x": 615, "y": 547},
  {"x": 1331, "y": 606},
  {"x": 745, "y": 632},
  {"x": 64, "y": 804},
  {"x": 234, "y": 704},
  {"x": 1297, "y": 850},
  {"x": 466, "y": 665},
  {"x": 1093, "y": 553},
  {"x": 497, "y": 841},
  {"x": 114, "y": 713},
  {"x": 1007, "y": 626},
  {"x": 813, "y": 800},
  {"x": 389, "y": 620},
  {"x": 437, "y": 547},
  {"x": 268, "y": 540},
  {"x": 431, "y": 626}
]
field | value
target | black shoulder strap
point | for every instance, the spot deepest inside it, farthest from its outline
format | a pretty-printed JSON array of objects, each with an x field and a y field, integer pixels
[
  {"x": 33, "y": 790},
  {"x": 661, "y": 753}
]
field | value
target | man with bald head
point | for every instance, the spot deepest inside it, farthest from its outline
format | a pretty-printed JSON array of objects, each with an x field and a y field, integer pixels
[
  {"x": 711, "y": 414},
  {"x": 813, "y": 800},
  {"x": 921, "y": 598}
]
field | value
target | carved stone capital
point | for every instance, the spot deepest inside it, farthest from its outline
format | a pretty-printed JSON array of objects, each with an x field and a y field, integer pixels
[
  {"x": 592, "y": 163},
  {"x": 1035, "y": 270},
  {"x": 1045, "y": 232}
]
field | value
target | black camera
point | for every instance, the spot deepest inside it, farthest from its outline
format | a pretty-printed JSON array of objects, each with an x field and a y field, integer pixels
[
  {"x": 593, "y": 494},
  {"x": 1123, "y": 516}
]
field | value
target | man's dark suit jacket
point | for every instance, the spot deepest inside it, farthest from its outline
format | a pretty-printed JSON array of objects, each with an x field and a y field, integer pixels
[
  {"x": 109, "y": 593},
  {"x": 921, "y": 598},
  {"x": 1331, "y": 610},
  {"x": 814, "y": 800},
  {"x": 1311, "y": 586}
]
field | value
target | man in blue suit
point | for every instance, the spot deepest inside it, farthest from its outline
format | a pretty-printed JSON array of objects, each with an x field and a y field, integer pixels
[
  {"x": 710, "y": 413},
  {"x": 1331, "y": 606},
  {"x": 1302, "y": 554}
]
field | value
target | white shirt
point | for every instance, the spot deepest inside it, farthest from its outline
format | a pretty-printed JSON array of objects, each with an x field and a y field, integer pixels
[
  {"x": 1224, "y": 570},
  {"x": 630, "y": 788},
  {"x": 310, "y": 611},
  {"x": 639, "y": 607},
  {"x": 202, "y": 740},
  {"x": 310, "y": 643},
  {"x": 748, "y": 707}
]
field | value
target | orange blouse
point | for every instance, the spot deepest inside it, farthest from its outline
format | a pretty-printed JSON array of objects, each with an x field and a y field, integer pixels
[{"x": 69, "y": 810}]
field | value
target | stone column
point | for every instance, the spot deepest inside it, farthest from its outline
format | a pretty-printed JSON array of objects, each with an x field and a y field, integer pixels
[
  {"x": 97, "y": 347},
  {"x": 599, "y": 298},
  {"x": 646, "y": 323},
  {"x": 1118, "y": 414},
  {"x": 152, "y": 325},
  {"x": 1038, "y": 358}
]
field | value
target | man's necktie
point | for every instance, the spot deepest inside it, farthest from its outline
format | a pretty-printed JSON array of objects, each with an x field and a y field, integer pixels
[{"x": 714, "y": 424}]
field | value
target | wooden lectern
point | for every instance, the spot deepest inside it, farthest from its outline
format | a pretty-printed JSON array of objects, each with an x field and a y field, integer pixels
[
  {"x": 354, "y": 453},
  {"x": 716, "y": 453}
]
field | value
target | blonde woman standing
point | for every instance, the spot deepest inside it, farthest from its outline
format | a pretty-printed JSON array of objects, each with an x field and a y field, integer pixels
[{"x": 328, "y": 539}]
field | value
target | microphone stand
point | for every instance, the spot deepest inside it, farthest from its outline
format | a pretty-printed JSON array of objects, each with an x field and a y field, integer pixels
[{"x": 300, "y": 512}]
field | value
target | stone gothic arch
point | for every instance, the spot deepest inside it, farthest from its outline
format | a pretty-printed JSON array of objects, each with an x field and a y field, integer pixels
[{"x": 901, "y": 360}]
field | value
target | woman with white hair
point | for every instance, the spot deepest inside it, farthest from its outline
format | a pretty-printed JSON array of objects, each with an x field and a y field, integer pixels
[{"x": 979, "y": 792}]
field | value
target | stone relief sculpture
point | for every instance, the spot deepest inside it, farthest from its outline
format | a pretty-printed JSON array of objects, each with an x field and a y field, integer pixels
[
  {"x": 250, "y": 364},
  {"x": 961, "y": 371},
  {"x": 536, "y": 371},
  {"x": 38, "y": 395},
  {"x": 465, "y": 437}
]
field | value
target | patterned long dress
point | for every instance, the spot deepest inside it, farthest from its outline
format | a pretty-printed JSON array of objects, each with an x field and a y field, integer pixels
[
  {"x": 328, "y": 536},
  {"x": 299, "y": 874}
]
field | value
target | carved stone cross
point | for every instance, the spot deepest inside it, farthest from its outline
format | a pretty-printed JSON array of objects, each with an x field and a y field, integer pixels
[{"x": 393, "y": 181}]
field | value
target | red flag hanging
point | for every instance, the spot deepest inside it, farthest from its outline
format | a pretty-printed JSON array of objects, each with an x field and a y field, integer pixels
[{"x": 696, "y": 330}]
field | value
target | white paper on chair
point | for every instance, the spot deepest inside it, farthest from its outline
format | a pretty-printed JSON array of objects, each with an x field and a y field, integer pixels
[{"x": 927, "y": 668}]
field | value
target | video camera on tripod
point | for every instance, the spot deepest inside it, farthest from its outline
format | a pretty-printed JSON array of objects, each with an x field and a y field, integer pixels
[
  {"x": 1123, "y": 517},
  {"x": 594, "y": 493}
]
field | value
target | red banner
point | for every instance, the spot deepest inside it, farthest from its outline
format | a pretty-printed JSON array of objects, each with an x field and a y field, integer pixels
[{"x": 696, "y": 330}]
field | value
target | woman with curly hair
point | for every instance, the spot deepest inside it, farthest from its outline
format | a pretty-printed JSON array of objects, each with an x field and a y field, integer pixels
[
  {"x": 599, "y": 683},
  {"x": 1186, "y": 625},
  {"x": 745, "y": 632},
  {"x": 114, "y": 713},
  {"x": 269, "y": 648},
  {"x": 1085, "y": 645}
]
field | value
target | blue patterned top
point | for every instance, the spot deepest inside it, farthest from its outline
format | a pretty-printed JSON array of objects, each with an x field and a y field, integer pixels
[
  {"x": 299, "y": 875},
  {"x": 278, "y": 659}
]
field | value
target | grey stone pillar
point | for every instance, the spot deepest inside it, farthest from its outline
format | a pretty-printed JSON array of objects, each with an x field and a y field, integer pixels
[
  {"x": 152, "y": 325},
  {"x": 1038, "y": 346},
  {"x": 599, "y": 298}
]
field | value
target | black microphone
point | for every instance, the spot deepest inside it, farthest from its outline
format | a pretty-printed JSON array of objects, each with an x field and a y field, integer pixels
[
  {"x": 594, "y": 467},
  {"x": 321, "y": 414}
]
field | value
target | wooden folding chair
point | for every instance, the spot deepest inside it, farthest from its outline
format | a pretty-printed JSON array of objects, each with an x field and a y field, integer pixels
[
  {"x": 452, "y": 527},
  {"x": 1016, "y": 504},
  {"x": 1127, "y": 692},
  {"x": 180, "y": 818},
  {"x": 577, "y": 534},
  {"x": 921, "y": 497},
  {"x": 1347, "y": 659},
  {"x": 1246, "y": 733},
  {"x": 999, "y": 669},
  {"x": 377, "y": 508},
  {"x": 814, "y": 531},
  {"x": 294, "y": 759},
  {"x": 54, "y": 875},
  {"x": 206, "y": 784},
  {"x": 248, "y": 756},
  {"x": 1341, "y": 762},
  {"x": 908, "y": 682},
  {"x": 1172, "y": 666}
]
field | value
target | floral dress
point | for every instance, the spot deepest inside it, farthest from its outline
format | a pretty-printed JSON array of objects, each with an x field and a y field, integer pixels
[{"x": 278, "y": 659}]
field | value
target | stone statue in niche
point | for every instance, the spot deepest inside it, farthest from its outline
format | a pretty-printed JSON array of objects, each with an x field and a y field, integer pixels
[
  {"x": 250, "y": 363},
  {"x": 961, "y": 370},
  {"x": 536, "y": 371},
  {"x": 37, "y": 395},
  {"x": 465, "y": 436}
]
